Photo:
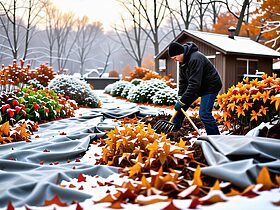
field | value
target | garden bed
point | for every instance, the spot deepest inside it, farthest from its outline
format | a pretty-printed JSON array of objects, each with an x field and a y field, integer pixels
[{"x": 62, "y": 163}]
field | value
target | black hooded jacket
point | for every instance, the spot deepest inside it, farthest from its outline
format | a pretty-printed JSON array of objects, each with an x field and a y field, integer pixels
[{"x": 197, "y": 75}]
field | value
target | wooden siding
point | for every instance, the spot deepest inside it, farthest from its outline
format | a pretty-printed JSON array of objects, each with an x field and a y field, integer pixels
[{"x": 227, "y": 65}]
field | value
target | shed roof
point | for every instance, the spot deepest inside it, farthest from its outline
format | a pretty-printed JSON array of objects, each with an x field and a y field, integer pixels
[{"x": 226, "y": 45}]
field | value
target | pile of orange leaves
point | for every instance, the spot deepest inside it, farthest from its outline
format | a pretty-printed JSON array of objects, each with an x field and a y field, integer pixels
[
  {"x": 163, "y": 170},
  {"x": 21, "y": 131}
]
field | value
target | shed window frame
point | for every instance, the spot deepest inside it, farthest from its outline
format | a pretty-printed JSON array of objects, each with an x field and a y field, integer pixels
[{"x": 248, "y": 60}]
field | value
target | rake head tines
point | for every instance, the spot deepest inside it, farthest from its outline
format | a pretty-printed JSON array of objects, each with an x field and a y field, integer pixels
[{"x": 163, "y": 126}]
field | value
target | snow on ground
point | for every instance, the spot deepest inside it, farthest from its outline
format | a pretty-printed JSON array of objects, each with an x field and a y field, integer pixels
[{"x": 94, "y": 187}]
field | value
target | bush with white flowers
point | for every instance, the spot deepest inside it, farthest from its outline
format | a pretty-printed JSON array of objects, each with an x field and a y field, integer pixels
[
  {"x": 118, "y": 87},
  {"x": 127, "y": 89},
  {"x": 76, "y": 89},
  {"x": 167, "y": 96},
  {"x": 145, "y": 90}
]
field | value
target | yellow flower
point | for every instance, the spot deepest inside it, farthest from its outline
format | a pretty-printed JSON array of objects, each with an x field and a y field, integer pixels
[
  {"x": 240, "y": 111},
  {"x": 246, "y": 80},
  {"x": 227, "y": 124},
  {"x": 257, "y": 96},
  {"x": 255, "y": 115},
  {"x": 264, "y": 76},
  {"x": 254, "y": 82},
  {"x": 231, "y": 106},
  {"x": 265, "y": 95},
  {"x": 247, "y": 105},
  {"x": 263, "y": 110},
  {"x": 276, "y": 99},
  {"x": 226, "y": 115}
]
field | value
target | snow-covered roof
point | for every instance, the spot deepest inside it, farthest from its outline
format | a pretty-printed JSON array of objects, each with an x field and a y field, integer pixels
[
  {"x": 237, "y": 45},
  {"x": 226, "y": 45}
]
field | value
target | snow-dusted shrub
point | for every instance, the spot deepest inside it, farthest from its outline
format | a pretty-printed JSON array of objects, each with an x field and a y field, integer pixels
[
  {"x": 127, "y": 89},
  {"x": 145, "y": 90},
  {"x": 35, "y": 84},
  {"x": 76, "y": 89},
  {"x": 108, "y": 88},
  {"x": 167, "y": 96},
  {"x": 118, "y": 87},
  {"x": 136, "y": 81}
]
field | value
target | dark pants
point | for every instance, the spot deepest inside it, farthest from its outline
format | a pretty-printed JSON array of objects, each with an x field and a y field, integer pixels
[{"x": 205, "y": 114}]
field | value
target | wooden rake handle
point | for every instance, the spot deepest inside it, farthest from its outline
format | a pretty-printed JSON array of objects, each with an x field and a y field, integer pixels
[
  {"x": 190, "y": 120},
  {"x": 173, "y": 116}
]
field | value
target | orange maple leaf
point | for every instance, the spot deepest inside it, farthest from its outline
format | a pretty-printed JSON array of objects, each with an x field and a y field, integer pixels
[
  {"x": 196, "y": 179},
  {"x": 264, "y": 179},
  {"x": 5, "y": 128},
  {"x": 55, "y": 200}
]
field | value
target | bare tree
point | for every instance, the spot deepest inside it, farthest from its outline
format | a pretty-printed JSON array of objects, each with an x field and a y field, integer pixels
[
  {"x": 183, "y": 14},
  {"x": 86, "y": 35},
  {"x": 19, "y": 23},
  {"x": 130, "y": 34},
  {"x": 153, "y": 12},
  {"x": 65, "y": 38},
  {"x": 51, "y": 17},
  {"x": 214, "y": 10}
]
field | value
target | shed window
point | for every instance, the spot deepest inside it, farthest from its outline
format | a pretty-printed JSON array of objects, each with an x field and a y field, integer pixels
[{"x": 247, "y": 66}]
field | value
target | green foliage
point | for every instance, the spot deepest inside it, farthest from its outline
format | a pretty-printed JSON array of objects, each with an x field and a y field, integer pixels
[
  {"x": 36, "y": 105},
  {"x": 136, "y": 81}
]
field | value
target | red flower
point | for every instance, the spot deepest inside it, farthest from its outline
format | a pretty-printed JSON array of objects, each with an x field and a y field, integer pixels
[
  {"x": 47, "y": 110},
  {"x": 22, "y": 106},
  {"x": 43, "y": 103},
  {"x": 11, "y": 112},
  {"x": 15, "y": 102},
  {"x": 18, "y": 108},
  {"x": 4, "y": 107},
  {"x": 23, "y": 112},
  {"x": 36, "y": 106}
]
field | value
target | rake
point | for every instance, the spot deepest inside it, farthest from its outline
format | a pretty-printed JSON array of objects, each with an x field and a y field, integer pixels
[
  {"x": 190, "y": 120},
  {"x": 164, "y": 126}
]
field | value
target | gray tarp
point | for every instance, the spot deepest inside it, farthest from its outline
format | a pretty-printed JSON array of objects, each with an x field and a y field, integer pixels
[
  {"x": 24, "y": 181},
  {"x": 238, "y": 159}
]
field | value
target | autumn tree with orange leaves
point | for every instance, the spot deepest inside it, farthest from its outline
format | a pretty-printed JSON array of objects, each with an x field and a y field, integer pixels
[
  {"x": 261, "y": 28},
  {"x": 267, "y": 23}
]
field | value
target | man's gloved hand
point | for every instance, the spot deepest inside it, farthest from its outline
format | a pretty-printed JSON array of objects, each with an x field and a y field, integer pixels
[{"x": 179, "y": 104}]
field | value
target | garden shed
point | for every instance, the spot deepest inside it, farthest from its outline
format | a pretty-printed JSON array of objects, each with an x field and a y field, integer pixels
[{"x": 235, "y": 57}]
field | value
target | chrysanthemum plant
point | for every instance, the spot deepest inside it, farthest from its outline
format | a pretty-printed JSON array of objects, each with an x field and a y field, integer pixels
[{"x": 249, "y": 103}]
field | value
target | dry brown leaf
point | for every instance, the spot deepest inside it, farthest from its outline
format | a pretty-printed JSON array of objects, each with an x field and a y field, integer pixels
[
  {"x": 55, "y": 200},
  {"x": 194, "y": 203},
  {"x": 170, "y": 206},
  {"x": 192, "y": 190},
  {"x": 276, "y": 203},
  {"x": 213, "y": 196},
  {"x": 116, "y": 205},
  {"x": 107, "y": 198},
  {"x": 142, "y": 200}
]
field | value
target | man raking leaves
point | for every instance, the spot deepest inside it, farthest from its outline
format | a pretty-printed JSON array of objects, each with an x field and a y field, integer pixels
[{"x": 197, "y": 78}]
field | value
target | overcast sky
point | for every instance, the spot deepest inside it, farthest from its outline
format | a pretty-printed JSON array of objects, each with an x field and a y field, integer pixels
[{"x": 105, "y": 11}]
